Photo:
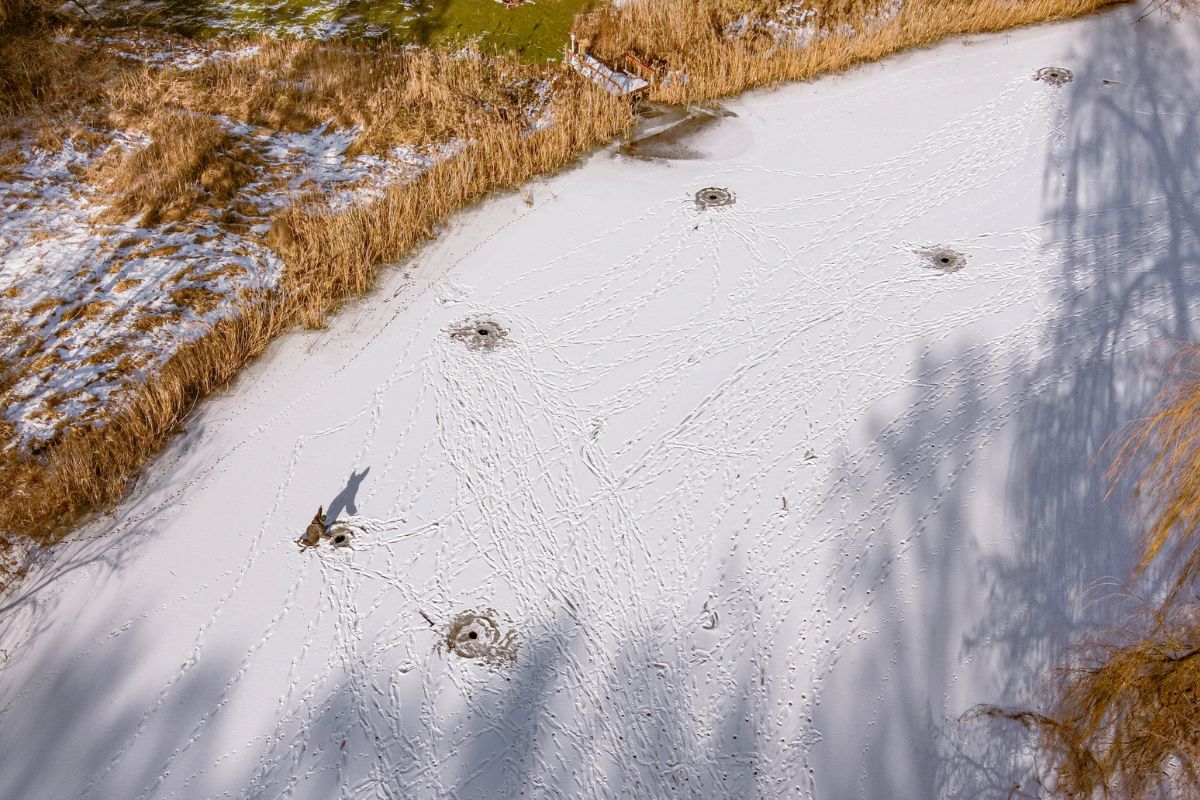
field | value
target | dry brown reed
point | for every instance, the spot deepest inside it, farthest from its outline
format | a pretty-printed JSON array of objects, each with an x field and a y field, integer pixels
[
  {"x": 44, "y": 73},
  {"x": 697, "y": 38},
  {"x": 191, "y": 160},
  {"x": 329, "y": 257},
  {"x": 393, "y": 95},
  {"x": 18, "y": 14},
  {"x": 1123, "y": 714},
  {"x": 1161, "y": 454},
  {"x": 396, "y": 97},
  {"x": 1123, "y": 718}
]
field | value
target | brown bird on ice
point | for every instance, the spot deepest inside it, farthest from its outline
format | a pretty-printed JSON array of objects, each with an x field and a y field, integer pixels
[{"x": 315, "y": 531}]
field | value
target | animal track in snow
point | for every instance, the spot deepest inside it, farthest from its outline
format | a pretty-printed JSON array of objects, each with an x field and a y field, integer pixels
[{"x": 613, "y": 546}]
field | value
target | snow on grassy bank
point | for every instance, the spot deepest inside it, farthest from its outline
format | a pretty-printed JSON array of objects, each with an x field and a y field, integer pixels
[
  {"x": 93, "y": 307},
  {"x": 762, "y": 495}
]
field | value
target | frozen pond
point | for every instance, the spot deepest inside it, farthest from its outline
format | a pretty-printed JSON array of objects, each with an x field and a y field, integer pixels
[{"x": 743, "y": 474}]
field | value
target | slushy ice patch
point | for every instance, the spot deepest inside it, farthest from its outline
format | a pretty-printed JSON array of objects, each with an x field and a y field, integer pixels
[
  {"x": 482, "y": 635},
  {"x": 714, "y": 197},
  {"x": 480, "y": 334},
  {"x": 1055, "y": 76},
  {"x": 942, "y": 259}
]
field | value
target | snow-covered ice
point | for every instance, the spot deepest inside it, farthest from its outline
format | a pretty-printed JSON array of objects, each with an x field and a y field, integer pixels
[{"x": 759, "y": 497}]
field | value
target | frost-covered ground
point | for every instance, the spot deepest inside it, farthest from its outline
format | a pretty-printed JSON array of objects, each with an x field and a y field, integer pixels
[
  {"x": 753, "y": 500},
  {"x": 90, "y": 307}
]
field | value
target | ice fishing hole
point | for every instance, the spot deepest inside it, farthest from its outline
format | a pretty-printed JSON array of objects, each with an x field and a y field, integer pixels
[
  {"x": 940, "y": 258},
  {"x": 483, "y": 635},
  {"x": 479, "y": 333},
  {"x": 714, "y": 197},
  {"x": 1055, "y": 76}
]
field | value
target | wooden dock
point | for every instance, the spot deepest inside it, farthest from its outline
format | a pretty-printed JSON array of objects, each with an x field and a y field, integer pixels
[{"x": 610, "y": 80}]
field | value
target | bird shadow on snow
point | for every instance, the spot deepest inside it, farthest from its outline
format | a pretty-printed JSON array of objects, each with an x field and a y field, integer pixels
[
  {"x": 346, "y": 499},
  {"x": 1002, "y": 594}
]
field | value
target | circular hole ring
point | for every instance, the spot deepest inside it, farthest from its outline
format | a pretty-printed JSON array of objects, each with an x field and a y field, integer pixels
[
  {"x": 1055, "y": 76},
  {"x": 714, "y": 197}
]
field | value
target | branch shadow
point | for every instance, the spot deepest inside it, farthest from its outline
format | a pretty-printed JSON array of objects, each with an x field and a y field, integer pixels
[
  {"x": 73, "y": 732},
  {"x": 1122, "y": 205},
  {"x": 1003, "y": 593}
]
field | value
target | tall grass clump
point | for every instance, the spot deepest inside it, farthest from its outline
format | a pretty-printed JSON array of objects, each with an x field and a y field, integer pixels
[
  {"x": 722, "y": 47},
  {"x": 24, "y": 14},
  {"x": 43, "y": 74},
  {"x": 191, "y": 160},
  {"x": 1122, "y": 715},
  {"x": 1161, "y": 455}
]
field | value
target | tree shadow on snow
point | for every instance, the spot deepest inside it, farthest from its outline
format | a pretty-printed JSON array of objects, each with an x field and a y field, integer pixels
[{"x": 1121, "y": 206}]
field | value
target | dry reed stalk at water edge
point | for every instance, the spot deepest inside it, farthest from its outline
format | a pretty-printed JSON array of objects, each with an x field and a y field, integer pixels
[
  {"x": 1122, "y": 716},
  {"x": 721, "y": 50}
]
